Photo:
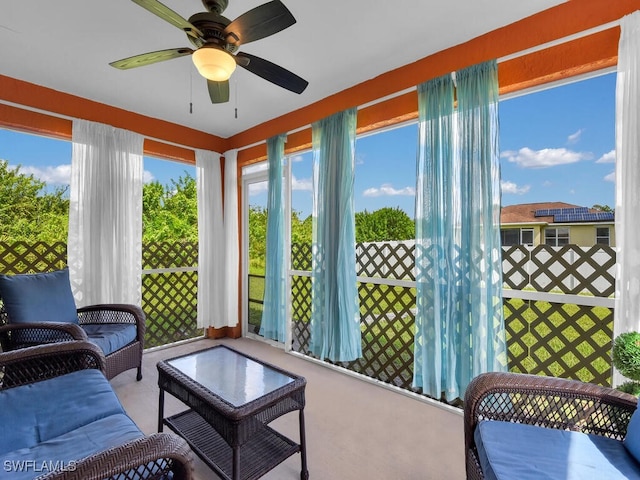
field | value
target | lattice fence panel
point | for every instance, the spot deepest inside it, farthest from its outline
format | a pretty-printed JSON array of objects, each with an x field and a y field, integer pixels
[
  {"x": 561, "y": 340},
  {"x": 26, "y": 257},
  {"x": 569, "y": 269},
  {"x": 301, "y": 312},
  {"x": 169, "y": 255},
  {"x": 573, "y": 270},
  {"x": 170, "y": 303},
  {"x": 542, "y": 338},
  {"x": 516, "y": 266},
  {"x": 301, "y": 257},
  {"x": 387, "y": 319},
  {"x": 386, "y": 260}
]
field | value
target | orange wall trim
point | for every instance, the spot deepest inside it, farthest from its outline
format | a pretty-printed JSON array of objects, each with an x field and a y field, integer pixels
[
  {"x": 153, "y": 148},
  {"x": 34, "y": 122},
  {"x": 56, "y": 127},
  {"x": 67, "y": 105}
]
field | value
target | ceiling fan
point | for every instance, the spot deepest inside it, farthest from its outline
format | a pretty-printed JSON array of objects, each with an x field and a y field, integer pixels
[{"x": 217, "y": 40}]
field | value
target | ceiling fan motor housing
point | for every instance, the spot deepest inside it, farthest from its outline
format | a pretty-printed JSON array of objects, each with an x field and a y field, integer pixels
[
  {"x": 212, "y": 26},
  {"x": 216, "y": 6}
]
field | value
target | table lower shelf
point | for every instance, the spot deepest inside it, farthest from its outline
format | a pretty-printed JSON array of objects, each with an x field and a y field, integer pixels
[{"x": 264, "y": 451}]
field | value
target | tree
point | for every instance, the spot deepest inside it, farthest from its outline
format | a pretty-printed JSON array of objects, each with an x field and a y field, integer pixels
[
  {"x": 602, "y": 208},
  {"x": 257, "y": 238},
  {"x": 301, "y": 230},
  {"x": 27, "y": 211},
  {"x": 170, "y": 213},
  {"x": 385, "y": 224}
]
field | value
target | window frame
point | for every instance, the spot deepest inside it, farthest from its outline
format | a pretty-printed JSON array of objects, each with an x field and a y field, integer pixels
[
  {"x": 607, "y": 237},
  {"x": 557, "y": 236},
  {"x": 520, "y": 232}
]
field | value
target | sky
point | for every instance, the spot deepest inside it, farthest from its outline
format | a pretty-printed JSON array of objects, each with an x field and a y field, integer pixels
[{"x": 556, "y": 145}]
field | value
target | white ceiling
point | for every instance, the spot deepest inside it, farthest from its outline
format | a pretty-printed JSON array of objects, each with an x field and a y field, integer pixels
[{"x": 67, "y": 45}]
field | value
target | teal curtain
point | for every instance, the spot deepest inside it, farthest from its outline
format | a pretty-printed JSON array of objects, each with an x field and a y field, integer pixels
[
  {"x": 459, "y": 320},
  {"x": 274, "y": 323},
  {"x": 335, "y": 312}
]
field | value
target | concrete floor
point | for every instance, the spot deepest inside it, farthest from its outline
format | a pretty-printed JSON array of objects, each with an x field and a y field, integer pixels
[{"x": 355, "y": 430}]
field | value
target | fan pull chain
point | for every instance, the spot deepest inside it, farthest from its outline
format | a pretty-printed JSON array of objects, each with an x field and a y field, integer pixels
[
  {"x": 191, "y": 90},
  {"x": 235, "y": 90}
]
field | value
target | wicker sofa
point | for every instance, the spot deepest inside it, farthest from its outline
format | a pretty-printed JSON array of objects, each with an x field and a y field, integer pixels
[
  {"x": 526, "y": 426},
  {"x": 60, "y": 419}
]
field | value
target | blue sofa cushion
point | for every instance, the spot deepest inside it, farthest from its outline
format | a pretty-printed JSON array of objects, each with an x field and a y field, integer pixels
[
  {"x": 110, "y": 336},
  {"x": 632, "y": 440},
  {"x": 527, "y": 452},
  {"x": 62, "y": 451},
  {"x": 38, "y": 297},
  {"x": 38, "y": 412}
]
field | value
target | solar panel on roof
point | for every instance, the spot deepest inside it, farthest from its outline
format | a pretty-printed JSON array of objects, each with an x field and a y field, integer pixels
[
  {"x": 584, "y": 217},
  {"x": 549, "y": 212}
]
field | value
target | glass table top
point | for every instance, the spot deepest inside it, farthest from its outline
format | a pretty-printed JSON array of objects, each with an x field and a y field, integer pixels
[{"x": 230, "y": 375}]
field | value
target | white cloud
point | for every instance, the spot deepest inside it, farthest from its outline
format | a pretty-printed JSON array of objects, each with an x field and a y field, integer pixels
[
  {"x": 609, "y": 157},
  {"x": 387, "y": 190},
  {"x": 611, "y": 177},
  {"x": 296, "y": 158},
  {"x": 256, "y": 188},
  {"x": 574, "y": 137},
  {"x": 58, "y": 175},
  {"x": 301, "y": 184},
  {"x": 547, "y": 157},
  {"x": 547, "y": 183},
  {"x": 61, "y": 174},
  {"x": 510, "y": 187}
]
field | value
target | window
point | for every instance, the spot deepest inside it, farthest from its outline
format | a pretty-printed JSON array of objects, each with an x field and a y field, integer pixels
[
  {"x": 556, "y": 237},
  {"x": 516, "y": 236},
  {"x": 602, "y": 236}
]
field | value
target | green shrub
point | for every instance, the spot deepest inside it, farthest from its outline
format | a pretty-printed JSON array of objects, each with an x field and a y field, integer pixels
[
  {"x": 630, "y": 387},
  {"x": 626, "y": 354}
]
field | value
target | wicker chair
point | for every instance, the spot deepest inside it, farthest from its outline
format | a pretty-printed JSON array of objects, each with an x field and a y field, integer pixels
[
  {"x": 159, "y": 455},
  {"x": 543, "y": 401},
  {"x": 130, "y": 356}
]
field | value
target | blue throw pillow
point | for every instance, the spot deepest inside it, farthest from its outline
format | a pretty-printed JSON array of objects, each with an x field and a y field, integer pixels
[
  {"x": 39, "y": 297},
  {"x": 632, "y": 440}
]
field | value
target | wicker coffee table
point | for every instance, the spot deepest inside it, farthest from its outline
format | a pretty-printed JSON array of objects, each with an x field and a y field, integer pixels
[{"x": 232, "y": 398}]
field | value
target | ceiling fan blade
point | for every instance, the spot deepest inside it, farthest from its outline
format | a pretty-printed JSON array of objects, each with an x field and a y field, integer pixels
[
  {"x": 273, "y": 73},
  {"x": 150, "y": 57},
  {"x": 170, "y": 16},
  {"x": 259, "y": 22},
  {"x": 218, "y": 91}
]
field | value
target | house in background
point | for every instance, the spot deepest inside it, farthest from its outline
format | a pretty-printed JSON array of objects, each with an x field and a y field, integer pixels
[{"x": 555, "y": 224}]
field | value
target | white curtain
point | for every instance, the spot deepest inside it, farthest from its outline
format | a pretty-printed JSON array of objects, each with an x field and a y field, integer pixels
[
  {"x": 232, "y": 246},
  {"x": 627, "y": 307},
  {"x": 210, "y": 240},
  {"x": 105, "y": 214}
]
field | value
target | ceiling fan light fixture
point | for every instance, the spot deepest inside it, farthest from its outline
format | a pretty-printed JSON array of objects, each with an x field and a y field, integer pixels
[{"x": 213, "y": 63}]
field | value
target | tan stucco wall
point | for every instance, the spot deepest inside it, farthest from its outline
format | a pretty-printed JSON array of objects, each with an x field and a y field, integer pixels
[
  {"x": 582, "y": 235},
  {"x": 585, "y": 235}
]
